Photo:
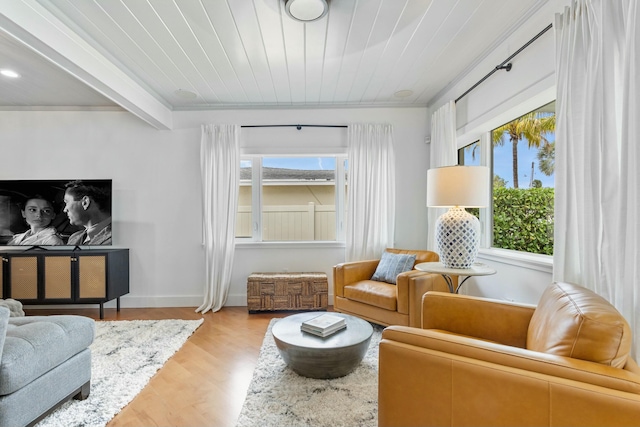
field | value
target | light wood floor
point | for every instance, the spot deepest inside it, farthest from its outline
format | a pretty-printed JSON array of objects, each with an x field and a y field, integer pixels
[{"x": 206, "y": 381}]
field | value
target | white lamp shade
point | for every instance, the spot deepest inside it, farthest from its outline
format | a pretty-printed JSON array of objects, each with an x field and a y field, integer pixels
[
  {"x": 306, "y": 10},
  {"x": 464, "y": 186}
]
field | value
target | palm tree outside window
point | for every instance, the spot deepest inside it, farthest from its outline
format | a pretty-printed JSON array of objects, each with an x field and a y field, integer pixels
[
  {"x": 523, "y": 163},
  {"x": 537, "y": 129}
]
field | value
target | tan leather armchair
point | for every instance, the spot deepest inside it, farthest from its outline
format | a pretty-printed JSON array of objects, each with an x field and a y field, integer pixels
[
  {"x": 384, "y": 303},
  {"x": 485, "y": 362}
]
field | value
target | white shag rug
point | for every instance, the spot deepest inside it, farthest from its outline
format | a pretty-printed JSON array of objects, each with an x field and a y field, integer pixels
[
  {"x": 125, "y": 354},
  {"x": 279, "y": 397}
]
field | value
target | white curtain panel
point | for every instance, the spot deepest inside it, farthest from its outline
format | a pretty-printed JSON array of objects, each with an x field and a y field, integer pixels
[
  {"x": 444, "y": 152},
  {"x": 371, "y": 198},
  {"x": 220, "y": 170},
  {"x": 597, "y": 185}
]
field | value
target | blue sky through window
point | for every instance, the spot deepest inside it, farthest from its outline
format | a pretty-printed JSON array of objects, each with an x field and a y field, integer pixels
[{"x": 502, "y": 164}]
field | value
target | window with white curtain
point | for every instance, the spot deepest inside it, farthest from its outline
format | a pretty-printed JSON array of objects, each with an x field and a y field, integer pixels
[
  {"x": 522, "y": 159},
  {"x": 291, "y": 198}
]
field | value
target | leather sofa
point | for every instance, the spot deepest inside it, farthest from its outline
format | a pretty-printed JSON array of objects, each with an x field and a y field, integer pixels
[
  {"x": 484, "y": 362},
  {"x": 44, "y": 361},
  {"x": 380, "y": 302}
]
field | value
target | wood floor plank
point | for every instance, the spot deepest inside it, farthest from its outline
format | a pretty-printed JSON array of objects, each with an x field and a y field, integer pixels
[{"x": 206, "y": 381}]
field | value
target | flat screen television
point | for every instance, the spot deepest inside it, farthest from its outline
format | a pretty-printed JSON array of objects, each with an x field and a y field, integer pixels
[{"x": 62, "y": 212}]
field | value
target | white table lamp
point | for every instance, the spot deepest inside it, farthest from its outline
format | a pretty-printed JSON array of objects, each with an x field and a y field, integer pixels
[{"x": 457, "y": 231}]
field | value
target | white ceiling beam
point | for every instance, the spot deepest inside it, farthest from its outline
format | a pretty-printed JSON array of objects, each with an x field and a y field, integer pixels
[{"x": 34, "y": 26}]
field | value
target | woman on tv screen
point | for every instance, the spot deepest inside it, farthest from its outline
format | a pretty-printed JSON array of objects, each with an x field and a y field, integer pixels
[{"x": 38, "y": 213}]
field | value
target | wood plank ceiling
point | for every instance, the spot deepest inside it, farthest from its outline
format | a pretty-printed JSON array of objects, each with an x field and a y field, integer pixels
[{"x": 204, "y": 54}]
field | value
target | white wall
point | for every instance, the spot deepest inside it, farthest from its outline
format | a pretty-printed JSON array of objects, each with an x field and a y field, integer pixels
[
  {"x": 156, "y": 185},
  {"x": 499, "y": 99}
]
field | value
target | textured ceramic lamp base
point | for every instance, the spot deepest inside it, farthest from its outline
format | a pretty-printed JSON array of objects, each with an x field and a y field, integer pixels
[{"x": 458, "y": 238}]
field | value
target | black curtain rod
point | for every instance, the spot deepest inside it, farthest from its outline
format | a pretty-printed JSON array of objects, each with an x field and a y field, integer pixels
[
  {"x": 505, "y": 65},
  {"x": 295, "y": 126}
]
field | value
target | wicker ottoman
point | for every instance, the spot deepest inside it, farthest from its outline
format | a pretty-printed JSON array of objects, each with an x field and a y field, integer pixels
[{"x": 287, "y": 291}]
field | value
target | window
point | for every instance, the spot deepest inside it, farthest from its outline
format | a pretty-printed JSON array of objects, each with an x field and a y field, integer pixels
[
  {"x": 469, "y": 155},
  {"x": 291, "y": 198},
  {"x": 523, "y": 153},
  {"x": 244, "y": 217}
]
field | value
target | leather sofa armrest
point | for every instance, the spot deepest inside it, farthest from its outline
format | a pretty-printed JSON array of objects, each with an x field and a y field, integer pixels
[
  {"x": 352, "y": 272},
  {"x": 404, "y": 284},
  {"x": 411, "y": 286},
  {"x": 507, "y": 357},
  {"x": 487, "y": 319}
]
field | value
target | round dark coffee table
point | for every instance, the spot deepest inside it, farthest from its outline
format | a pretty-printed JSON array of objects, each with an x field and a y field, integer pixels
[{"x": 316, "y": 357}]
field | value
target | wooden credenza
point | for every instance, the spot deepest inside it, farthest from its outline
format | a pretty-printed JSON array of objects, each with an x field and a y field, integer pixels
[{"x": 80, "y": 276}]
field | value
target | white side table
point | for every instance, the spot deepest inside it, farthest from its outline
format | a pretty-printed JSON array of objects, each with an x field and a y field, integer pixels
[{"x": 476, "y": 269}]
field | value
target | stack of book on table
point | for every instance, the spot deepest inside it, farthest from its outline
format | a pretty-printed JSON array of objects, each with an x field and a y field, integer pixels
[{"x": 324, "y": 325}]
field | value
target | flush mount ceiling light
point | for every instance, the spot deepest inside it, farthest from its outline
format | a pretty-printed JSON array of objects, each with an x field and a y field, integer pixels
[
  {"x": 185, "y": 94},
  {"x": 9, "y": 73},
  {"x": 403, "y": 93},
  {"x": 306, "y": 10}
]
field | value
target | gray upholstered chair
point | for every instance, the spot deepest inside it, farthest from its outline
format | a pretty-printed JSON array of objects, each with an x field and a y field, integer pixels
[{"x": 44, "y": 361}]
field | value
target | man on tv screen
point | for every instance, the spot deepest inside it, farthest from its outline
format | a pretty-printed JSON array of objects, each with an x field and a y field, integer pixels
[{"x": 88, "y": 206}]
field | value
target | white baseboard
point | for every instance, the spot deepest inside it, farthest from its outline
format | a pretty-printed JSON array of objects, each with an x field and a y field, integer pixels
[{"x": 130, "y": 301}]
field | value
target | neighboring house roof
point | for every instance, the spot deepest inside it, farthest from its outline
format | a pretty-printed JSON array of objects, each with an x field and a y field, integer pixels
[{"x": 290, "y": 174}]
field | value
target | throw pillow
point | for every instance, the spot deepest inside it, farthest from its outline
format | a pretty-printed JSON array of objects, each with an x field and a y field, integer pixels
[
  {"x": 391, "y": 265},
  {"x": 15, "y": 307}
]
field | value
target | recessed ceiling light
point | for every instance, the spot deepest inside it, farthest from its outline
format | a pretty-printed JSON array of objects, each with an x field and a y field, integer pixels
[
  {"x": 9, "y": 73},
  {"x": 185, "y": 94},
  {"x": 403, "y": 93}
]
